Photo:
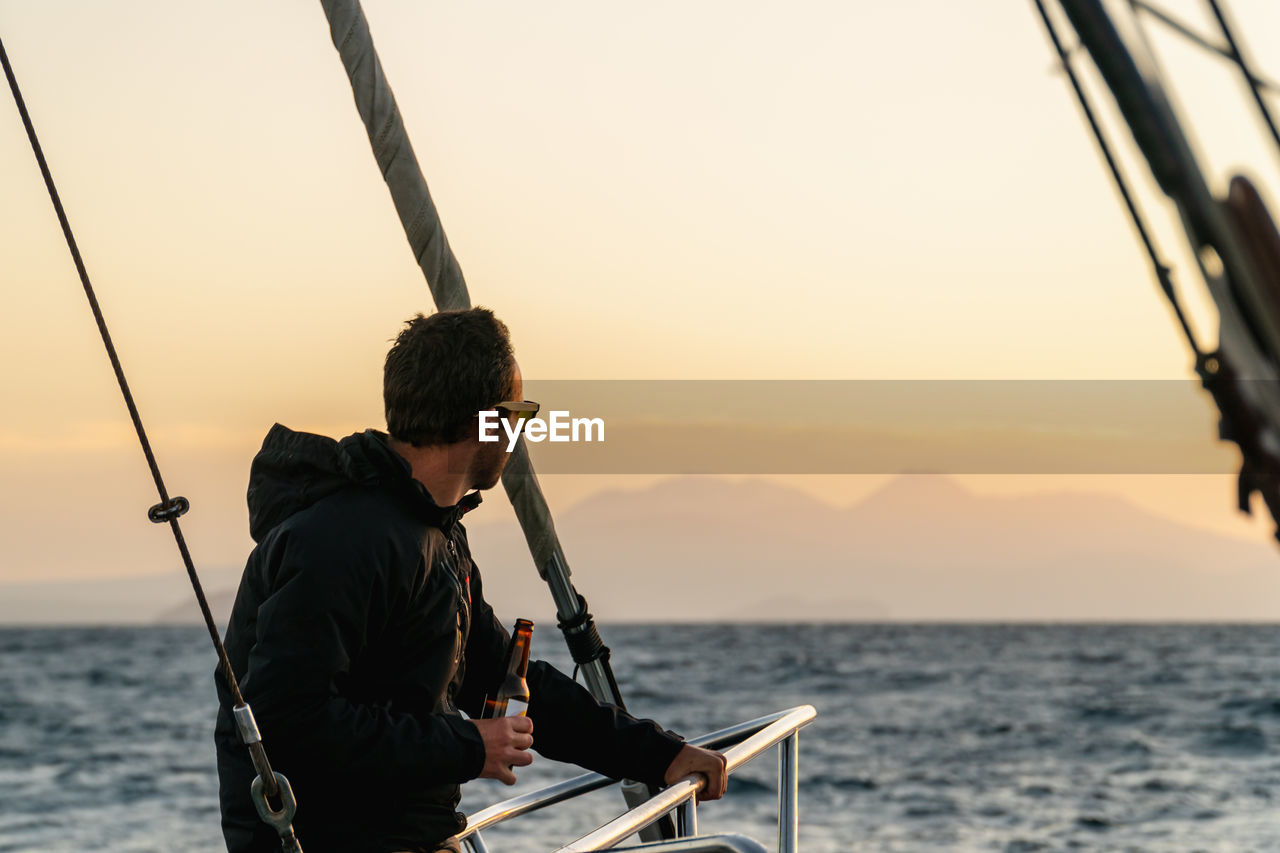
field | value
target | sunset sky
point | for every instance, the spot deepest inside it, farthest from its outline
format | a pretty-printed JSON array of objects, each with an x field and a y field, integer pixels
[{"x": 713, "y": 191}]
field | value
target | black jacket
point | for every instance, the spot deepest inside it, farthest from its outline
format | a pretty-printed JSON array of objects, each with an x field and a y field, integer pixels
[{"x": 356, "y": 655}]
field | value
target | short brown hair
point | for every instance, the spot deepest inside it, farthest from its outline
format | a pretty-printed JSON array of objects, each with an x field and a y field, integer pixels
[{"x": 442, "y": 370}]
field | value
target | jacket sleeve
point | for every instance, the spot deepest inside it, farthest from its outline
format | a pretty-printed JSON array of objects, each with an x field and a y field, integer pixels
[
  {"x": 328, "y": 601},
  {"x": 569, "y": 724}
]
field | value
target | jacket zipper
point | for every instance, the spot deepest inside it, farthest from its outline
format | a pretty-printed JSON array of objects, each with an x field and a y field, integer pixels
[{"x": 464, "y": 607}]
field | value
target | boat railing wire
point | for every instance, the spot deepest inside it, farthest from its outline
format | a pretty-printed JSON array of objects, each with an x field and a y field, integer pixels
[{"x": 740, "y": 743}]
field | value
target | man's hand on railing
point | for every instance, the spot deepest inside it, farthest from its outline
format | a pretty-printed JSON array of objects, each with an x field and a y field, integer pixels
[{"x": 695, "y": 759}]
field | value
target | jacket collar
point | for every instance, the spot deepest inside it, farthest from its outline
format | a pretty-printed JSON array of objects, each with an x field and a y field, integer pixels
[{"x": 395, "y": 473}]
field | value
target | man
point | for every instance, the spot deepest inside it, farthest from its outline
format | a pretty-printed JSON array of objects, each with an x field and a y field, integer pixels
[{"x": 360, "y": 628}]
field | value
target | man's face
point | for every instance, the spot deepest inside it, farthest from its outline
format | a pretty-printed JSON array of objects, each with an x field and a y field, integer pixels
[{"x": 492, "y": 456}]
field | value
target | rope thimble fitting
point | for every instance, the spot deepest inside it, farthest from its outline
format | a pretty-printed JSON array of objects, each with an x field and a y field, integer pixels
[{"x": 281, "y": 819}]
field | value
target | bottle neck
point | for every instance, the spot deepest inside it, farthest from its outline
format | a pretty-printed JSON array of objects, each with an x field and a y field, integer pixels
[{"x": 519, "y": 663}]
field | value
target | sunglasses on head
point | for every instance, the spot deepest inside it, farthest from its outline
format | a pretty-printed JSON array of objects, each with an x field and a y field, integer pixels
[{"x": 522, "y": 409}]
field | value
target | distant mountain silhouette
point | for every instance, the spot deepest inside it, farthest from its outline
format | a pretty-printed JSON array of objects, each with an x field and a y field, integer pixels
[
  {"x": 141, "y": 599},
  {"x": 188, "y": 612},
  {"x": 921, "y": 547}
]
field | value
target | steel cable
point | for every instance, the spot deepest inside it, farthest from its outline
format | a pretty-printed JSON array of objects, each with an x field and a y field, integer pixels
[{"x": 168, "y": 510}]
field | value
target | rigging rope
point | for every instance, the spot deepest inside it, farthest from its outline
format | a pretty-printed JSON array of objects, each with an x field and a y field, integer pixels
[
  {"x": 1249, "y": 76},
  {"x": 1200, "y": 41},
  {"x": 272, "y": 785},
  {"x": 1163, "y": 273},
  {"x": 1248, "y": 419}
]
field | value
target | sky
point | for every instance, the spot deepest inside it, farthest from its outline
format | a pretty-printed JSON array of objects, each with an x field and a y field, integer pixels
[{"x": 711, "y": 191}]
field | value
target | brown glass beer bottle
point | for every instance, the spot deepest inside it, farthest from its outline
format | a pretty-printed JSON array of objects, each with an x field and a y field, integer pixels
[{"x": 512, "y": 699}]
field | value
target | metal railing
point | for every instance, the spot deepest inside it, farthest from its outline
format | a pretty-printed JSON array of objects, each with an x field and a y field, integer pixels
[
  {"x": 740, "y": 743},
  {"x": 701, "y": 844}
]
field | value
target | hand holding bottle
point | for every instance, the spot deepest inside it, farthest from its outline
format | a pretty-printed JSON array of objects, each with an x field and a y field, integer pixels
[{"x": 506, "y": 746}]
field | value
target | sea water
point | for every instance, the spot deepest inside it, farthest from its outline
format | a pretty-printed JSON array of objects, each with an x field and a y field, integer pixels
[{"x": 929, "y": 737}]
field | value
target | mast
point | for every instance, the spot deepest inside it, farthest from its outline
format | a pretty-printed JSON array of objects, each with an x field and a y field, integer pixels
[{"x": 394, "y": 154}]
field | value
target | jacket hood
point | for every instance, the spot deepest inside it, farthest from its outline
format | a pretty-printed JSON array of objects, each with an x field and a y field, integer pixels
[{"x": 294, "y": 470}]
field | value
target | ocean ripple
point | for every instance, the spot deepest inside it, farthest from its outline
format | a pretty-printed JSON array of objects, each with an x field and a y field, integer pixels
[{"x": 929, "y": 737}]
